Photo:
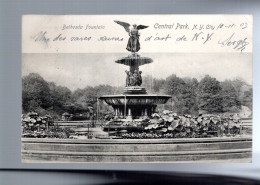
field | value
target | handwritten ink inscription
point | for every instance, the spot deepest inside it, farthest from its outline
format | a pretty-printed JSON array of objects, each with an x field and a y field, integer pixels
[
  {"x": 176, "y": 32},
  {"x": 42, "y": 38},
  {"x": 238, "y": 45}
]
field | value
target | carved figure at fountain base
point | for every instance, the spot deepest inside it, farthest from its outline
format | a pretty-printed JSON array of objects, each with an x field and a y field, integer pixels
[{"x": 133, "y": 78}]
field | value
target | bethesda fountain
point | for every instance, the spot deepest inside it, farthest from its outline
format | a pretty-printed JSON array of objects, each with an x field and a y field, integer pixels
[{"x": 134, "y": 103}]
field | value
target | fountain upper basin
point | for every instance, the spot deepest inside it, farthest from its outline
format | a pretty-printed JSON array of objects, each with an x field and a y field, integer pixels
[{"x": 135, "y": 99}]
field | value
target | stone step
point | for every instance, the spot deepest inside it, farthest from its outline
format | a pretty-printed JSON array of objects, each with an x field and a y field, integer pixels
[
  {"x": 174, "y": 156},
  {"x": 135, "y": 147},
  {"x": 139, "y": 141}
]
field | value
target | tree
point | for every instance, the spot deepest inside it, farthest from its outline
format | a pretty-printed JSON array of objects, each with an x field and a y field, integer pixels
[
  {"x": 209, "y": 95},
  {"x": 175, "y": 87},
  {"x": 230, "y": 101},
  {"x": 88, "y": 96},
  {"x": 61, "y": 98},
  {"x": 189, "y": 97},
  {"x": 248, "y": 98},
  {"x": 35, "y": 93}
]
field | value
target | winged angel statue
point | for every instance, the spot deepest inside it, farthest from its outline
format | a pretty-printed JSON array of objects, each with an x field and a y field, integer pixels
[{"x": 133, "y": 44}]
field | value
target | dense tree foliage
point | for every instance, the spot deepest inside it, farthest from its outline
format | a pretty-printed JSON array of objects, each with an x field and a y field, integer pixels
[
  {"x": 47, "y": 98},
  {"x": 209, "y": 95},
  {"x": 189, "y": 96},
  {"x": 247, "y": 99},
  {"x": 177, "y": 88},
  {"x": 230, "y": 101},
  {"x": 35, "y": 92}
]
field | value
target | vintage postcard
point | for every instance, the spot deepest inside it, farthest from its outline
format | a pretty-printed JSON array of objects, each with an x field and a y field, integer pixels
[{"x": 136, "y": 88}]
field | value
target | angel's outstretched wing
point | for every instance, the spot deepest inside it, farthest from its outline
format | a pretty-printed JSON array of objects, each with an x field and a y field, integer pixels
[
  {"x": 124, "y": 24},
  {"x": 139, "y": 27}
]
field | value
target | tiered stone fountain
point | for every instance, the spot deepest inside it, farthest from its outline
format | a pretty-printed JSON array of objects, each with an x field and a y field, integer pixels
[{"x": 134, "y": 102}]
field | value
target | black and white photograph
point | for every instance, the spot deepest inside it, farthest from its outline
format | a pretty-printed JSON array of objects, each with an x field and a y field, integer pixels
[{"x": 136, "y": 89}]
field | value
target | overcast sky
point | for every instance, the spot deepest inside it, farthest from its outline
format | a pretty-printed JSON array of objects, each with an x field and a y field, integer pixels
[{"x": 80, "y": 70}]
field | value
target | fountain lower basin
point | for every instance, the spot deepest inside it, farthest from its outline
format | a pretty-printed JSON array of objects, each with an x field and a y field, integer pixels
[
  {"x": 134, "y": 106},
  {"x": 135, "y": 99}
]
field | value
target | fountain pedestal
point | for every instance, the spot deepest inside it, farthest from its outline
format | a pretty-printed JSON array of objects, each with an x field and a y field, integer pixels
[
  {"x": 134, "y": 90},
  {"x": 134, "y": 102}
]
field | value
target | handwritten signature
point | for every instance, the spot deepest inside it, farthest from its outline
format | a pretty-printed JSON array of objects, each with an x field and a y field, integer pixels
[{"x": 238, "y": 45}]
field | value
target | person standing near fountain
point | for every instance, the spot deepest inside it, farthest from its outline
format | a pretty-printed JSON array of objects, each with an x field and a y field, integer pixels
[{"x": 133, "y": 79}]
